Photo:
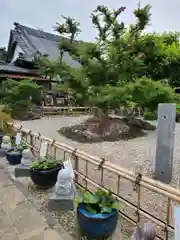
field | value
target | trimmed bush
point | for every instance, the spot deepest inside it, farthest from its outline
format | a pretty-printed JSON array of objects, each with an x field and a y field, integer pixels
[{"x": 149, "y": 116}]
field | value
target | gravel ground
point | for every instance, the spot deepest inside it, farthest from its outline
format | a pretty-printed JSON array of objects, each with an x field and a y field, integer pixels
[
  {"x": 123, "y": 153},
  {"x": 129, "y": 154}
]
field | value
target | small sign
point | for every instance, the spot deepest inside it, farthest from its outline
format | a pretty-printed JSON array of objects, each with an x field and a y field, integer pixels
[
  {"x": 68, "y": 165},
  {"x": 43, "y": 149},
  {"x": 18, "y": 138}
]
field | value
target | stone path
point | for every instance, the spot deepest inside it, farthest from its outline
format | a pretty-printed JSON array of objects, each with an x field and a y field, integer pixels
[{"x": 19, "y": 219}]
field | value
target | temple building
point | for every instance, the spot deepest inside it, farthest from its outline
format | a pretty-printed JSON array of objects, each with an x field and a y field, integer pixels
[{"x": 24, "y": 45}]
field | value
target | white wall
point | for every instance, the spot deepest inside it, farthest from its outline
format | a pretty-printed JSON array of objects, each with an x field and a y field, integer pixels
[{"x": 16, "y": 53}]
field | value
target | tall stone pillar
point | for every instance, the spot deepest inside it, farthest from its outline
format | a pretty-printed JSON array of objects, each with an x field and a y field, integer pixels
[{"x": 165, "y": 142}]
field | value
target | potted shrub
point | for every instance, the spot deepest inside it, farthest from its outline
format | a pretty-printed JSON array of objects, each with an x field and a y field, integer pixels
[
  {"x": 97, "y": 214},
  {"x": 14, "y": 155},
  {"x": 44, "y": 172}
]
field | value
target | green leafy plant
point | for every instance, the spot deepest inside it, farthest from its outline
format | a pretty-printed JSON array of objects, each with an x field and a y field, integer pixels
[
  {"x": 99, "y": 202},
  {"x": 123, "y": 66},
  {"x": 21, "y": 147},
  {"x": 178, "y": 108},
  {"x": 150, "y": 116},
  {"x": 45, "y": 164},
  {"x": 19, "y": 96}
]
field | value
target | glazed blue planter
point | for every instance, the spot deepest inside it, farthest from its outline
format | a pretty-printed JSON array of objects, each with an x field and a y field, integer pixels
[
  {"x": 98, "y": 226},
  {"x": 13, "y": 157}
]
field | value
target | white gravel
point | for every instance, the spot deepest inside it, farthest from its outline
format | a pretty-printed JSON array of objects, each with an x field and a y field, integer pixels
[
  {"x": 128, "y": 154},
  {"x": 124, "y": 153}
]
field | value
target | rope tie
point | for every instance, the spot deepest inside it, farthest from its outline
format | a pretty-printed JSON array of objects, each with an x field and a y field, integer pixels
[
  {"x": 137, "y": 181},
  {"x": 101, "y": 164},
  {"x": 73, "y": 153},
  {"x": 29, "y": 133},
  {"x": 39, "y": 135}
]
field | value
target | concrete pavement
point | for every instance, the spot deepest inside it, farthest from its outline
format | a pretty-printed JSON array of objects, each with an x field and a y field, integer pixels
[{"x": 19, "y": 219}]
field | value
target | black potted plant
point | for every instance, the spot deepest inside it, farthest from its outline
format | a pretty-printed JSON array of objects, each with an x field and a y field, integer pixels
[
  {"x": 44, "y": 172},
  {"x": 97, "y": 214},
  {"x": 14, "y": 155}
]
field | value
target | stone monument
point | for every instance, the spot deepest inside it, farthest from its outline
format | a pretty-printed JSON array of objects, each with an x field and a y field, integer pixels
[
  {"x": 5, "y": 145},
  {"x": 165, "y": 142},
  {"x": 27, "y": 157},
  {"x": 22, "y": 170},
  {"x": 18, "y": 138},
  {"x": 67, "y": 164},
  {"x": 144, "y": 231},
  {"x": 64, "y": 190},
  {"x": 43, "y": 149}
]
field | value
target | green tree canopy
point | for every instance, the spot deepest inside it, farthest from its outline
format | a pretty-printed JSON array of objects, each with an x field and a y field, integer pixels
[
  {"x": 19, "y": 96},
  {"x": 122, "y": 58}
]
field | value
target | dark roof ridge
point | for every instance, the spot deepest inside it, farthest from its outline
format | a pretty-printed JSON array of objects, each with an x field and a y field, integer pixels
[{"x": 37, "y": 32}]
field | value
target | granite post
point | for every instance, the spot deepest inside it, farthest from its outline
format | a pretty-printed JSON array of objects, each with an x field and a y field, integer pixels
[{"x": 165, "y": 142}]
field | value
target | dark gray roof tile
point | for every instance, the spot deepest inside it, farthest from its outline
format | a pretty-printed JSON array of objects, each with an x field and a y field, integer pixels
[
  {"x": 14, "y": 69},
  {"x": 32, "y": 41}
]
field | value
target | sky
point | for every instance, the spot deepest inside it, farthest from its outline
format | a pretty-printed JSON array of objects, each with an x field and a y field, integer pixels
[{"x": 43, "y": 14}]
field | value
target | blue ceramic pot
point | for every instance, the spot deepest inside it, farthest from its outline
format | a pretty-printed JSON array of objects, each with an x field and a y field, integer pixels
[
  {"x": 98, "y": 226},
  {"x": 13, "y": 157},
  {"x": 45, "y": 178}
]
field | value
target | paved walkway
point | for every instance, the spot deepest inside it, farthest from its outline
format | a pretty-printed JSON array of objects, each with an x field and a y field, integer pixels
[{"x": 19, "y": 219}]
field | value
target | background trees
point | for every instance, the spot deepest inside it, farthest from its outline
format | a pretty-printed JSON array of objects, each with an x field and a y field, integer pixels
[
  {"x": 123, "y": 66},
  {"x": 18, "y": 97}
]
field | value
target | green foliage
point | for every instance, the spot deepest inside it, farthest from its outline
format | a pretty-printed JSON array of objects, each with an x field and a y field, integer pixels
[
  {"x": 71, "y": 27},
  {"x": 146, "y": 93},
  {"x": 21, "y": 147},
  {"x": 178, "y": 108},
  {"x": 149, "y": 116},
  {"x": 123, "y": 67},
  {"x": 98, "y": 202},
  {"x": 47, "y": 68},
  {"x": 4, "y": 118},
  {"x": 19, "y": 96},
  {"x": 45, "y": 164}
]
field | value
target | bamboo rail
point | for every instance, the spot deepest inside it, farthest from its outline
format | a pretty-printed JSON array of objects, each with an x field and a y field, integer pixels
[
  {"x": 75, "y": 111},
  {"x": 84, "y": 179},
  {"x": 52, "y": 111}
]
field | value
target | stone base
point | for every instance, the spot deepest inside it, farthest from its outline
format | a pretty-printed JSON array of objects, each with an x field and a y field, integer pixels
[
  {"x": 21, "y": 171},
  {"x": 62, "y": 202},
  {"x": 3, "y": 152}
]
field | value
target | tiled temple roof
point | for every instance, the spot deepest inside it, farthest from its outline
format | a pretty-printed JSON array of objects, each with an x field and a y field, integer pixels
[{"x": 34, "y": 41}]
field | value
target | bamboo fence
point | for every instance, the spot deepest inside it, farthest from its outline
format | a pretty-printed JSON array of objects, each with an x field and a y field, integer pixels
[
  {"x": 56, "y": 111},
  {"x": 91, "y": 173},
  {"x": 51, "y": 111}
]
